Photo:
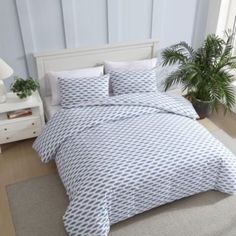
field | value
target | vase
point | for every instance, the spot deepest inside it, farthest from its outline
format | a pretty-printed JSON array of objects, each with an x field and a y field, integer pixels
[{"x": 203, "y": 108}]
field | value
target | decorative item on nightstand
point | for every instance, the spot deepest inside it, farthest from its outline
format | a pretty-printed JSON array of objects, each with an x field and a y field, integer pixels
[
  {"x": 5, "y": 72},
  {"x": 24, "y": 87}
]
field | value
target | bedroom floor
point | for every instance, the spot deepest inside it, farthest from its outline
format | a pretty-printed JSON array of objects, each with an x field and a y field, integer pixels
[{"x": 19, "y": 162}]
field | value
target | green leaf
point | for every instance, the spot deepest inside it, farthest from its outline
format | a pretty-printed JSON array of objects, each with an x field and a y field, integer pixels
[
  {"x": 206, "y": 73},
  {"x": 23, "y": 88}
]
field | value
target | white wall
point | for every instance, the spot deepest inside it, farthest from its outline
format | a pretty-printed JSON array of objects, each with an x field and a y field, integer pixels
[
  {"x": 11, "y": 45},
  {"x": 29, "y": 26},
  {"x": 213, "y": 16}
]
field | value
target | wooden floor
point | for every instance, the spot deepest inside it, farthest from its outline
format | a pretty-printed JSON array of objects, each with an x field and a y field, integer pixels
[
  {"x": 225, "y": 122},
  {"x": 19, "y": 162}
]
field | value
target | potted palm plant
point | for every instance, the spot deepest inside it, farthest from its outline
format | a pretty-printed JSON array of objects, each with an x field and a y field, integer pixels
[{"x": 205, "y": 74}]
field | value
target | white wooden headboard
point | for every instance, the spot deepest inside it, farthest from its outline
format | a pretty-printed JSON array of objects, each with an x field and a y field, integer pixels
[{"x": 69, "y": 59}]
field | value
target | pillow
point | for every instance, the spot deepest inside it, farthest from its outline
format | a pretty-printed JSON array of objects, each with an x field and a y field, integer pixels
[
  {"x": 124, "y": 82},
  {"x": 76, "y": 90},
  {"x": 130, "y": 65},
  {"x": 53, "y": 79}
]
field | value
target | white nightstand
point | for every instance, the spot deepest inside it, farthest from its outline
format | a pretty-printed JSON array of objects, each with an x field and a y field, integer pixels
[{"x": 23, "y": 127}]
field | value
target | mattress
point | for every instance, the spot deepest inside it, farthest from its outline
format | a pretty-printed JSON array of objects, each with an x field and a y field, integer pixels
[{"x": 49, "y": 109}]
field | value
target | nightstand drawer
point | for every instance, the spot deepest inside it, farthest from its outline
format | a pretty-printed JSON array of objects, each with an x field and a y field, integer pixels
[
  {"x": 15, "y": 126},
  {"x": 14, "y": 136},
  {"x": 20, "y": 129}
]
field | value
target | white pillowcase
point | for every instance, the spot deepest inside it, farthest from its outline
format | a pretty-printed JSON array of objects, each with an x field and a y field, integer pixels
[
  {"x": 130, "y": 65},
  {"x": 72, "y": 74}
]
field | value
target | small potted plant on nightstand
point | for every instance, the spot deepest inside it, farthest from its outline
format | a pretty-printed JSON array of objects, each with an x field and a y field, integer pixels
[
  {"x": 24, "y": 87},
  {"x": 205, "y": 74}
]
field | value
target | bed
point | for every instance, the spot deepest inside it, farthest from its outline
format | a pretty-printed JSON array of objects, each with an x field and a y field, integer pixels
[
  {"x": 123, "y": 155},
  {"x": 50, "y": 109}
]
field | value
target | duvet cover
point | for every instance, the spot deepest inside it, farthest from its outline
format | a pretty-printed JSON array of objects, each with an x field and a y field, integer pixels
[{"x": 121, "y": 156}]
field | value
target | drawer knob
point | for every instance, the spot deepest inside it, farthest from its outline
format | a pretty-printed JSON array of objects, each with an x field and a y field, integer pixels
[
  {"x": 34, "y": 132},
  {"x": 7, "y": 138},
  {"x": 5, "y": 129},
  {"x": 33, "y": 123}
]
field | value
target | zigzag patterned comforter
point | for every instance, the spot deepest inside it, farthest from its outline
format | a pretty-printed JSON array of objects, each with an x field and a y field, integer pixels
[{"x": 126, "y": 154}]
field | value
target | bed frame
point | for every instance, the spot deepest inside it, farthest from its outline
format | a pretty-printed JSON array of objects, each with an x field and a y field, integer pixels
[{"x": 69, "y": 59}]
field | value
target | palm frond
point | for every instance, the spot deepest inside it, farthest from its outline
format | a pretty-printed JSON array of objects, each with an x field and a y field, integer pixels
[
  {"x": 186, "y": 49},
  {"x": 206, "y": 73},
  {"x": 174, "y": 78},
  {"x": 171, "y": 56}
]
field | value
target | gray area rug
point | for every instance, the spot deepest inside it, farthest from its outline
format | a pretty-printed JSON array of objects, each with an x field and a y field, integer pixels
[{"x": 37, "y": 207}]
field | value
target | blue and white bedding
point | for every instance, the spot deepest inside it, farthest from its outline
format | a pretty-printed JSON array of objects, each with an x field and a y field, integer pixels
[{"x": 123, "y": 155}]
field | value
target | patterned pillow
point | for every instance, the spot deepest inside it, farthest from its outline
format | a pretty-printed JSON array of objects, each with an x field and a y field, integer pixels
[
  {"x": 124, "y": 82},
  {"x": 77, "y": 90},
  {"x": 52, "y": 77}
]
